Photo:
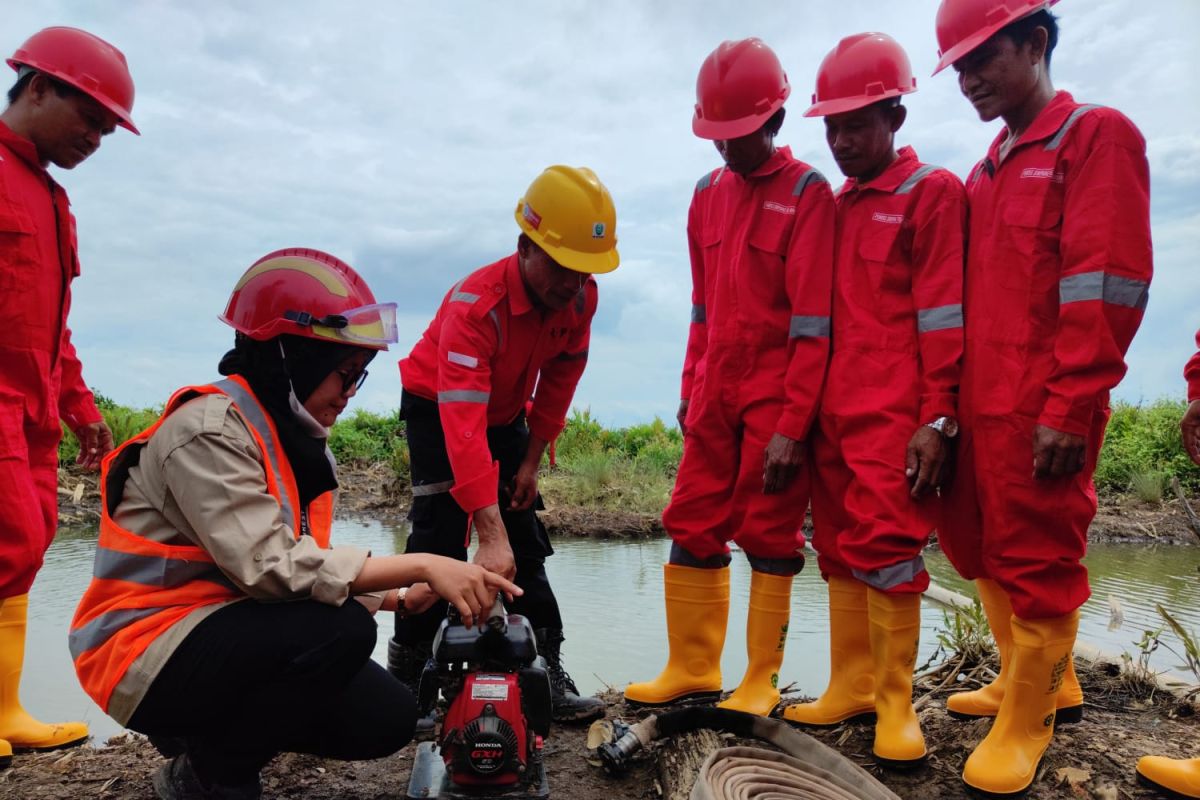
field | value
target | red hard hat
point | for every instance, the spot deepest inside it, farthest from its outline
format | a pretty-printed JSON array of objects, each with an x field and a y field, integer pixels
[
  {"x": 963, "y": 25},
  {"x": 863, "y": 69},
  {"x": 741, "y": 84},
  {"x": 309, "y": 293},
  {"x": 84, "y": 61}
]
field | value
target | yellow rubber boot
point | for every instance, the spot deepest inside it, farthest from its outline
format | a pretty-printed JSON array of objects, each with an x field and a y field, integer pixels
[
  {"x": 1006, "y": 761},
  {"x": 17, "y": 728},
  {"x": 895, "y": 630},
  {"x": 985, "y": 702},
  {"x": 1178, "y": 775},
  {"x": 766, "y": 636},
  {"x": 851, "y": 690},
  {"x": 697, "y": 602}
]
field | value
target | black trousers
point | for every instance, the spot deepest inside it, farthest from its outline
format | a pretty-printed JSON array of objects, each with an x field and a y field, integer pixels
[
  {"x": 439, "y": 525},
  {"x": 257, "y": 679}
]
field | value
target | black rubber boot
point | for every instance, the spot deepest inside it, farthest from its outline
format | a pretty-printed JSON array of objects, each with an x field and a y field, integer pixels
[
  {"x": 405, "y": 663},
  {"x": 566, "y": 704},
  {"x": 176, "y": 780}
]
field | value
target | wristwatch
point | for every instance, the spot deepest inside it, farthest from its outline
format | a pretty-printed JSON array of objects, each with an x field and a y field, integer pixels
[
  {"x": 946, "y": 426},
  {"x": 401, "y": 594}
]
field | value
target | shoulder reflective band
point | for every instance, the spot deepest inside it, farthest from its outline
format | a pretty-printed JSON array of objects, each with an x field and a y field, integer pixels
[
  {"x": 939, "y": 318},
  {"x": 463, "y": 396},
  {"x": 462, "y": 359},
  {"x": 1102, "y": 286},
  {"x": 806, "y": 180},
  {"x": 1066, "y": 126},
  {"x": 459, "y": 296},
  {"x": 709, "y": 179},
  {"x": 699, "y": 314},
  {"x": 808, "y": 326},
  {"x": 911, "y": 181},
  {"x": 254, "y": 415}
]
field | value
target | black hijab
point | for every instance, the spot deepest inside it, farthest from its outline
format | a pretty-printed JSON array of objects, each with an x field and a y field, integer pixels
[{"x": 307, "y": 362}]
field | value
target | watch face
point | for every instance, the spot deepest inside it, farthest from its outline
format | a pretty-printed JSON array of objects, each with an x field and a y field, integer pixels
[{"x": 950, "y": 427}]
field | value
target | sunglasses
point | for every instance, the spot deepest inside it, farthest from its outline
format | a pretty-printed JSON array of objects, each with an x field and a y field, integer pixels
[{"x": 351, "y": 380}]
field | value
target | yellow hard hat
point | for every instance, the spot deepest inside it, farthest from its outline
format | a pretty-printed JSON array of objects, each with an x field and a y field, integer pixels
[{"x": 568, "y": 213}]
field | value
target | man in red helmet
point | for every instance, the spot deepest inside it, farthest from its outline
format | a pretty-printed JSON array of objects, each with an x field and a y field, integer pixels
[
  {"x": 72, "y": 89},
  {"x": 520, "y": 323},
  {"x": 760, "y": 234},
  {"x": 1058, "y": 274},
  {"x": 889, "y": 405}
]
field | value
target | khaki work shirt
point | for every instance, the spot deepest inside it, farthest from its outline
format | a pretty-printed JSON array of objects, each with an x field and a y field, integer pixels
[{"x": 199, "y": 480}]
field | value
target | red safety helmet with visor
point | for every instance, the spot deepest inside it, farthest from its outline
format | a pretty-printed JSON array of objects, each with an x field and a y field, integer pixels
[
  {"x": 863, "y": 69},
  {"x": 740, "y": 85},
  {"x": 309, "y": 293},
  {"x": 85, "y": 61},
  {"x": 963, "y": 25}
]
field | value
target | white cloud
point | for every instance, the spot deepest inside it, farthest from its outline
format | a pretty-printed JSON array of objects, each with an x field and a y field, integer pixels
[{"x": 399, "y": 136}]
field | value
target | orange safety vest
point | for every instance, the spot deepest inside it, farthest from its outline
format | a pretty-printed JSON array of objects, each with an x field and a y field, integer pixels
[{"x": 139, "y": 587}]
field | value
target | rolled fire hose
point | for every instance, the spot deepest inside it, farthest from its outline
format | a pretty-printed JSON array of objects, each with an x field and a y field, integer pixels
[{"x": 805, "y": 770}]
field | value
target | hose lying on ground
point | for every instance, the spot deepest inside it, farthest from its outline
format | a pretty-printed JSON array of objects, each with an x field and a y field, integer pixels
[{"x": 806, "y": 770}]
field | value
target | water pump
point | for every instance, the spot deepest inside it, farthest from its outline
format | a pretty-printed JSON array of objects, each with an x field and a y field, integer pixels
[{"x": 490, "y": 744}]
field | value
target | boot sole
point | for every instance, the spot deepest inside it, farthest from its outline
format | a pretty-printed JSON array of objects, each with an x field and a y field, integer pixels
[
  {"x": 861, "y": 718},
  {"x": 694, "y": 698},
  {"x": 1062, "y": 716},
  {"x": 50, "y": 749},
  {"x": 901, "y": 766},
  {"x": 1166, "y": 792}
]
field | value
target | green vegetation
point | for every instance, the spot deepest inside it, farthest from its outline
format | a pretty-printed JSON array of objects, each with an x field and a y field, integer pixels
[
  {"x": 634, "y": 468},
  {"x": 1143, "y": 449}
]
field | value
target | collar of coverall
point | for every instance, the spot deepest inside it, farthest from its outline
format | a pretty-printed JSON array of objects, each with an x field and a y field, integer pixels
[
  {"x": 1045, "y": 125},
  {"x": 889, "y": 180},
  {"x": 24, "y": 148},
  {"x": 518, "y": 297}
]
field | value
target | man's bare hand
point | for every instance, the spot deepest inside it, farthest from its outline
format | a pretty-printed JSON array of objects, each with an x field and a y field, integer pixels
[
  {"x": 95, "y": 441},
  {"x": 782, "y": 460},
  {"x": 1190, "y": 427},
  {"x": 1057, "y": 453},
  {"x": 524, "y": 487},
  {"x": 924, "y": 461},
  {"x": 494, "y": 553},
  {"x": 681, "y": 415}
]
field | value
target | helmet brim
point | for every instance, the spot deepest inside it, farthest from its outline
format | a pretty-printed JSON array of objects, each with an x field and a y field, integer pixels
[
  {"x": 734, "y": 128},
  {"x": 841, "y": 105}
]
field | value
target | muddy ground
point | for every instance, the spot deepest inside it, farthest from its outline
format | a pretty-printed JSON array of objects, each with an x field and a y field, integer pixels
[
  {"x": 1094, "y": 759},
  {"x": 375, "y": 492}
]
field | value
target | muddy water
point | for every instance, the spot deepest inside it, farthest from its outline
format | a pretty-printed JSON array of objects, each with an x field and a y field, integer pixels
[{"x": 611, "y": 595}]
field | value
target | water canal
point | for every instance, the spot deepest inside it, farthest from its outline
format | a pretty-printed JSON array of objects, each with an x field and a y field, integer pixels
[{"x": 611, "y": 596}]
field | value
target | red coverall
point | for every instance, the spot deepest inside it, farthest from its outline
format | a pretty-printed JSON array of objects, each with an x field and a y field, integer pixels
[
  {"x": 897, "y": 344},
  {"x": 1191, "y": 373},
  {"x": 480, "y": 359},
  {"x": 762, "y": 263},
  {"x": 1058, "y": 274},
  {"x": 41, "y": 380}
]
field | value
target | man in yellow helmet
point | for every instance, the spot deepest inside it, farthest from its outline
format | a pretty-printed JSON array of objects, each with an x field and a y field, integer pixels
[{"x": 520, "y": 323}]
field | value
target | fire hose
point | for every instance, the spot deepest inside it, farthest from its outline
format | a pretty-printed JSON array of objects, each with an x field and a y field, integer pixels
[{"x": 805, "y": 770}]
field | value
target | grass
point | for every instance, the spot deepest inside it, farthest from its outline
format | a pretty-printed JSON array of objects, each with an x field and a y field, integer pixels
[
  {"x": 1143, "y": 440},
  {"x": 965, "y": 631}
]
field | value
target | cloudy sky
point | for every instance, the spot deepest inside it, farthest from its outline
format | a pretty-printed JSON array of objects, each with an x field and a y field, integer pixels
[{"x": 399, "y": 136}]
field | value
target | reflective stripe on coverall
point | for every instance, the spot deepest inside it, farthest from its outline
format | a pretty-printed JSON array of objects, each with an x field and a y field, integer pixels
[
  {"x": 140, "y": 587},
  {"x": 41, "y": 381},
  {"x": 762, "y": 262},
  {"x": 897, "y": 344},
  {"x": 479, "y": 360},
  {"x": 1058, "y": 274}
]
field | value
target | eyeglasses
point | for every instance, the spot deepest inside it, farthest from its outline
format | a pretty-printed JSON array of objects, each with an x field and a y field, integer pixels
[{"x": 351, "y": 380}]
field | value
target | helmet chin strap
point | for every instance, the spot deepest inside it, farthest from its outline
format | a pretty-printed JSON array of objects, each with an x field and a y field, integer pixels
[{"x": 307, "y": 421}]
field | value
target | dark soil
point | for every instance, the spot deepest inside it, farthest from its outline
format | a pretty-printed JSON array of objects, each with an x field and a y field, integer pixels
[
  {"x": 1094, "y": 759},
  {"x": 374, "y": 491}
]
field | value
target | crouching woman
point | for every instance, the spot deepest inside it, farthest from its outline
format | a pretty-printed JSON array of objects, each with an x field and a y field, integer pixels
[{"x": 220, "y": 620}]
